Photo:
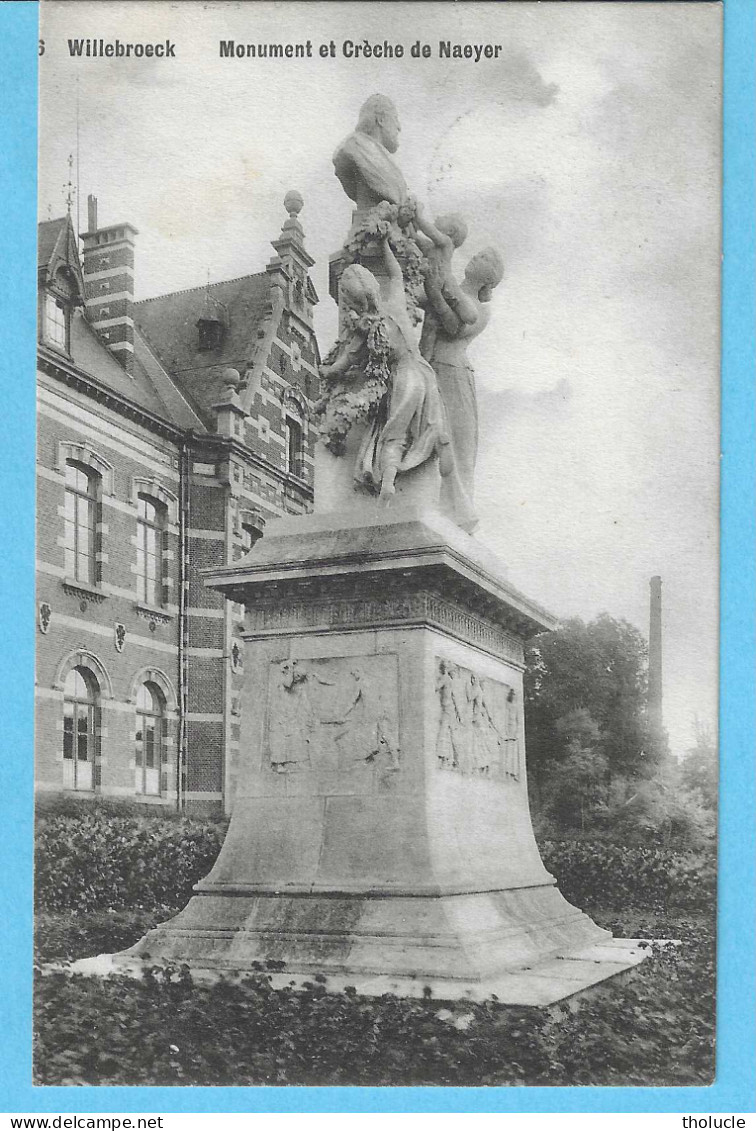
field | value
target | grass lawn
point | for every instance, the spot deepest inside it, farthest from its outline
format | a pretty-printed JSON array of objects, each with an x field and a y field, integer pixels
[{"x": 655, "y": 1027}]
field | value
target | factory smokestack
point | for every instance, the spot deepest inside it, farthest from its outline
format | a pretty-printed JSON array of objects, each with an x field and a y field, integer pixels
[{"x": 655, "y": 719}]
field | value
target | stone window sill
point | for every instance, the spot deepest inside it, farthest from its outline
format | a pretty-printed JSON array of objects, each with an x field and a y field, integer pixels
[
  {"x": 83, "y": 589},
  {"x": 61, "y": 351},
  {"x": 153, "y": 613}
]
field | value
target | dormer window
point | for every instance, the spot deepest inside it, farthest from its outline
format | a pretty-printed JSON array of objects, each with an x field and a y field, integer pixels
[
  {"x": 60, "y": 282},
  {"x": 211, "y": 323},
  {"x": 210, "y": 333},
  {"x": 55, "y": 322}
]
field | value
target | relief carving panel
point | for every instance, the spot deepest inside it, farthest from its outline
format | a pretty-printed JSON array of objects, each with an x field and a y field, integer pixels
[
  {"x": 334, "y": 717},
  {"x": 478, "y": 724}
]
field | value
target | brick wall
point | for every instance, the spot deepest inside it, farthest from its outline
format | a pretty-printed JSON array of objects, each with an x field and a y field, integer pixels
[{"x": 81, "y": 630}]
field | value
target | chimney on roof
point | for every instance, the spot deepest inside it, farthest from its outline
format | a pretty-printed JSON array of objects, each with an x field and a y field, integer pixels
[{"x": 108, "y": 266}]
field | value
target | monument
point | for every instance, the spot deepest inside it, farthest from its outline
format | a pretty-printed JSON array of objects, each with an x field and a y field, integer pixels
[{"x": 381, "y": 834}]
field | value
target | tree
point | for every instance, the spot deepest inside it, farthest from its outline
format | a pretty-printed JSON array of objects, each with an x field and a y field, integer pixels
[
  {"x": 599, "y": 668},
  {"x": 577, "y": 784},
  {"x": 699, "y": 769}
]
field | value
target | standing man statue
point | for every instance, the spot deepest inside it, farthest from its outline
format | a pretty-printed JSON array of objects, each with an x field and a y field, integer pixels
[{"x": 363, "y": 162}]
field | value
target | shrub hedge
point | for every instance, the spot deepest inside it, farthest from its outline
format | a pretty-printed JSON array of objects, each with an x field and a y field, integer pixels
[
  {"x": 64, "y": 936},
  {"x": 654, "y": 1028},
  {"x": 601, "y": 874},
  {"x": 97, "y": 861}
]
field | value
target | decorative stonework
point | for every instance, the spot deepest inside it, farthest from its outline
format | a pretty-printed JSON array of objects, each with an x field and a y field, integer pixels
[
  {"x": 45, "y": 616},
  {"x": 83, "y": 453},
  {"x": 149, "y": 485},
  {"x": 478, "y": 724},
  {"x": 333, "y": 716},
  {"x": 153, "y": 615},
  {"x": 424, "y": 607},
  {"x": 83, "y": 591},
  {"x": 119, "y": 634},
  {"x": 154, "y": 675}
]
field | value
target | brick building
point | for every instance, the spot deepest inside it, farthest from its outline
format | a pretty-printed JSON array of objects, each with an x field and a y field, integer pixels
[{"x": 169, "y": 429}]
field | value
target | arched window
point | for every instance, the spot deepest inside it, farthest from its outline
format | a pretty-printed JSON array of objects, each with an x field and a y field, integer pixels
[
  {"x": 294, "y": 446},
  {"x": 80, "y": 524},
  {"x": 150, "y": 527},
  {"x": 80, "y": 741},
  {"x": 150, "y": 752}
]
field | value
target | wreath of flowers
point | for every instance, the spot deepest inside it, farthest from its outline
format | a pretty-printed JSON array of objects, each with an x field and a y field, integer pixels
[
  {"x": 392, "y": 220},
  {"x": 358, "y": 394}
]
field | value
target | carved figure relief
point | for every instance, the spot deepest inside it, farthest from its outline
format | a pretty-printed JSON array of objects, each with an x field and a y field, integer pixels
[
  {"x": 292, "y": 718},
  {"x": 334, "y": 716},
  {"x": 478, "y": 724}
]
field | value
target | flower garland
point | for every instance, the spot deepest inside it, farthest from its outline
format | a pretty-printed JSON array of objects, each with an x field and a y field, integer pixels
[
  {"x": 357, "y": 394},
  {"x": 392, "y": 220}
]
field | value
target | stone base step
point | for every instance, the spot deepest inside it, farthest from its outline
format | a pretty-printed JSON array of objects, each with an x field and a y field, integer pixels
[{"x": 545, "y": 983}]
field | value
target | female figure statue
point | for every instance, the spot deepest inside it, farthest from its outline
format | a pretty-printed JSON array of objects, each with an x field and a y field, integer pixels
[
  {"x": 399, "y": 396},
  {"x": 446, "y": 334},
  {"x": 450, "y": 720},
  {"x": 486, "y": 740}
]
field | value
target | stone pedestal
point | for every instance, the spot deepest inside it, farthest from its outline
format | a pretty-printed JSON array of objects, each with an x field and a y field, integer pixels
[{"x": 381, "y": 832}]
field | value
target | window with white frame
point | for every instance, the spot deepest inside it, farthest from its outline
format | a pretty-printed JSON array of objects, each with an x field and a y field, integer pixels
[
  {"x": 80, "y": 522},
  {"x": 151, "y": 518},
  {"x": 55, "y": 322},
  {"x": 80, "y": 726},
  {"x": 150, "y": 752}
]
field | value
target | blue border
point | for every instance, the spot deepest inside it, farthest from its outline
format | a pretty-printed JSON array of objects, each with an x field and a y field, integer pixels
[{"x": 734, "y": 1087}]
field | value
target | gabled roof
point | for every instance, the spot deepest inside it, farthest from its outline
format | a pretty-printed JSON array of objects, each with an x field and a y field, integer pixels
[
  {"x": 89, "y": 354},
  {"x": 148, "y": 367},
  {"x": 150, "y": 387},
  {"x": 56, "y": 249},
  {"x": 169, "y": 324}
]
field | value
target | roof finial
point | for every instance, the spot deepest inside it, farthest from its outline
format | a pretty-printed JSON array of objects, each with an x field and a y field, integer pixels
[
  {"x": 293, "y": 203},
  {"x": 70, "y": 185}
]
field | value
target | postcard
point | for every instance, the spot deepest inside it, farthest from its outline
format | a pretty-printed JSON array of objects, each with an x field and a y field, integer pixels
[{"x": 377, "y": 605}]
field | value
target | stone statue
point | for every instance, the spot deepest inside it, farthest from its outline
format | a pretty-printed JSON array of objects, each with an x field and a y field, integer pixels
[
  {"x": 438, "y": 246},
  {"x": 446, "y": 334},
  {"x": 363, "y": 161},
  {"x": 398, "y": 396},
  {"x": 376, "y": 373}
]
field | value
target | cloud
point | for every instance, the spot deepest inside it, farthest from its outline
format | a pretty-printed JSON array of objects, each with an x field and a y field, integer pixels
[
  {"x": 503, "y": 403},
  {"x": 518, "y": 80}
]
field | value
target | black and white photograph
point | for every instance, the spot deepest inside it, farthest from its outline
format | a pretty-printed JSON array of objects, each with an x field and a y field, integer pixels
[{"x": 377, "y": 544}]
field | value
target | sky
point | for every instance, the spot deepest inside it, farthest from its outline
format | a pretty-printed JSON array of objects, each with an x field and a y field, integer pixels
[{"x": 588, "y": 152}]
